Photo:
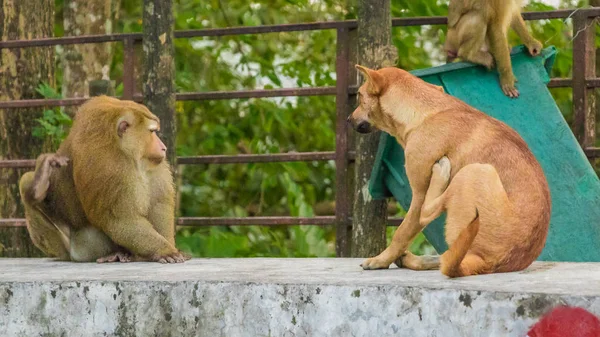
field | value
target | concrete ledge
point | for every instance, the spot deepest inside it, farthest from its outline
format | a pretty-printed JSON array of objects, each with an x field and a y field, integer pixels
[{"x": 280, "y": 297}]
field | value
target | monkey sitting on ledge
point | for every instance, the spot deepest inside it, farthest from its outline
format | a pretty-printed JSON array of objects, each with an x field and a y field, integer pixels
[{"x": 107, "y": 194}]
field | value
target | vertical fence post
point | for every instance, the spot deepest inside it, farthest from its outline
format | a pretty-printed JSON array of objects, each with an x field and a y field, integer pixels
[
  {"x": 374, "y": 50},
  {"x": 128, "y": 68},
  {"x": 159, "y": 69},
  {"x": 584, "y": 67},
  {"x": 159, "y": 72},
  {"x": 342, "y": 197}
]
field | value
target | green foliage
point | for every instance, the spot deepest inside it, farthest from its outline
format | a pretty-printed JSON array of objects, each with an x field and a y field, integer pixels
[{"x": 54, "y": 124}]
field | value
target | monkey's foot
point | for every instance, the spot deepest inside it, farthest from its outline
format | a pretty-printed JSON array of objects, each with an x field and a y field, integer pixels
[
  {"x": 171, "y": 258},
  {"x": 116, "y": 257},
  {"x": 534, "y": 47},
  {"x": 57, "y": 161},
  {"x": 507, "y": 82}
]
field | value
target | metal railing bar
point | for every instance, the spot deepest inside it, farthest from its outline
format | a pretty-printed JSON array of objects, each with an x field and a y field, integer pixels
[
  {"x": 234, "y": 221},
  {"x": 257, "y": 220},
  {"x": 258, "y": 93},
  {"x": 296, "y": 27},
  {"x": 221, "y": 159},
  {"x": 256, "y": 158},
  {"x": 592, "y": 152},
  {"x": 242, "y": 94}
]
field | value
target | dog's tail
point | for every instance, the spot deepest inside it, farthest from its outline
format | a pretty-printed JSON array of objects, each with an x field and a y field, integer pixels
[{"x": 453, "y": 257}]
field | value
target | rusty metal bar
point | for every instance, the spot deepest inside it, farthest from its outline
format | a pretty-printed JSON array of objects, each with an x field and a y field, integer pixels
[
  {"x": 246, "y": 221},
  {"x": 560, "y": 83},
  {"x": 30, "y": 103},
  {"x": 283, "y": 92},
  {"x": 256, "y": 158},
  {"x": 257, "y": 220},
  {"x": 592, "y": 152},
  {"x": 191, "y": 96},
  {"x": 18, "y": 163},
  {"x": 12, "y": 223},
  {"x": 242, "y": 94},
  {"x": 128, "y": 68},
  {"x": 342, "y": 200},
  {"x": 67, "y": 40},
  {"x": 294, "y": 27},
  {"x": 214, "y": 32},
  {"x": 221, "y": 159},
  {"x": 584, "y": 54}
]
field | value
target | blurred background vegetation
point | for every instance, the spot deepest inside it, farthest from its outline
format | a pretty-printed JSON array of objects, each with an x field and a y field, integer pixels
[{"x": 297, "y": 59}]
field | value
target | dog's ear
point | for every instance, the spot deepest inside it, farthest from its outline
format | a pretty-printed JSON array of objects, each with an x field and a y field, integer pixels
[{"x": 374, "y": 79}]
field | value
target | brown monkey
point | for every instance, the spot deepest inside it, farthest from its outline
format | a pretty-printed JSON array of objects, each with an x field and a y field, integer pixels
[
  {"x": 477, "y": 32},
  {"x": 107, "y": 194}
]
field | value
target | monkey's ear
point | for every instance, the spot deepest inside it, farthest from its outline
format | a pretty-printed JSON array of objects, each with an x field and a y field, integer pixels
[
  {"x": 375, "y": 80},
  {"x": 122, "y": 127}
]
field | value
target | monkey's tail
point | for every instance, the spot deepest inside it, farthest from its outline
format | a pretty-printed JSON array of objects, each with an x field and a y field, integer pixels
[{"x": 451, "y": 260}]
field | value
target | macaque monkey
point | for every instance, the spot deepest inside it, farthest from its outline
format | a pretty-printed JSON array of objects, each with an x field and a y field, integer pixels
[
  {"x": 107, "y": 194},
  {"x": 477, "y": 32}
]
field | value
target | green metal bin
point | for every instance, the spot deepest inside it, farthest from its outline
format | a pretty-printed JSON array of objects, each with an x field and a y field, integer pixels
[{"x": 574, "y": 186}]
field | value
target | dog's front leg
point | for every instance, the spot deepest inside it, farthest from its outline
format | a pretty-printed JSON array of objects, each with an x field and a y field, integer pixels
[
  {"x": 403, "y": 236},
  {"x": 418, "y": 172}
]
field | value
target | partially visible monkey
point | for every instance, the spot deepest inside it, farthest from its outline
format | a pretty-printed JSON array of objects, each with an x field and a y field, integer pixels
[
  {"x": 477, "y": 32},
  {"x": 107, "y": 194}
]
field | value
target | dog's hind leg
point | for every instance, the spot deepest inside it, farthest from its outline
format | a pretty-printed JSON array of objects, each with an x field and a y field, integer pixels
[
  {"x": 475, "y": 202},
  {"x": 418, "y": 262}
]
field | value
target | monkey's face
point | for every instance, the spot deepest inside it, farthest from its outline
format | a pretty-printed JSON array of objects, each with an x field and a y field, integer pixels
[
  {"x": 156, "y": 151},
  {"x": 139, "y": 139}
]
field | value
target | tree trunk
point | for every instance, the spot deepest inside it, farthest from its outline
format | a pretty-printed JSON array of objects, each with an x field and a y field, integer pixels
[
  {"x": 159, "y": 70},
  {"x": 21, "y": 71},
  {"x": 596, "y": 3},
  {"x": 374, "y": 51},
  {"x": 87, "y": 62}
]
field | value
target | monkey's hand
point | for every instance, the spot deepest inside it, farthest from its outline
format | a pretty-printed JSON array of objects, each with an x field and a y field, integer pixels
[
  {"x": 171, "y": 258},
  {"x": 534, "y": 47},
  {"x": 56, "y": 161}
]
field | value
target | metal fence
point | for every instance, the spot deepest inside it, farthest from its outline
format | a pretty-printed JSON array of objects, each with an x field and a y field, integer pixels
[{"x": 583, "y": 83}]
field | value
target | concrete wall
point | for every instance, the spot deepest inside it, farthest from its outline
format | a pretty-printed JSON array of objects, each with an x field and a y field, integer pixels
[{"x": 279, "y": 297}]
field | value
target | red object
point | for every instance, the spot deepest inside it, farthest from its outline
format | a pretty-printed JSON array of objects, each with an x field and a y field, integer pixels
[{"x": 566, "y": 322}]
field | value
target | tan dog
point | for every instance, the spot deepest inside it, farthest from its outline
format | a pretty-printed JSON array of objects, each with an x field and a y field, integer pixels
[{"x": 461, "y": 161}]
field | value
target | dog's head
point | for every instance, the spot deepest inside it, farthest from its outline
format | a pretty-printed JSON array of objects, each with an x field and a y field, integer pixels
[{"x": 389, "y": 98}]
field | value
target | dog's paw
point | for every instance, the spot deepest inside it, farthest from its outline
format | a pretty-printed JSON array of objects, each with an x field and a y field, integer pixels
[
  {"x": 375, "y": 263},
  {"x": 442, "y": 168}
]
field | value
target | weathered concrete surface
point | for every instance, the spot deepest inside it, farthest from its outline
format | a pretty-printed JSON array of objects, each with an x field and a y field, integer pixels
[{"x": 280, "y": 297}]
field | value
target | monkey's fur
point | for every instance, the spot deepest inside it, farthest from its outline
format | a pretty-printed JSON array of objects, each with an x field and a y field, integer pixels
[
  {"x": 477, "y": 32},
  {"x": 107, "y": 194}
]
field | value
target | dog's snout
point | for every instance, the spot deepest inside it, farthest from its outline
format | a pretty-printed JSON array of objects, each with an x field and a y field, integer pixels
[
  {"x": 349, "y": 119},
  {"x": 363, "y": 127}
]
